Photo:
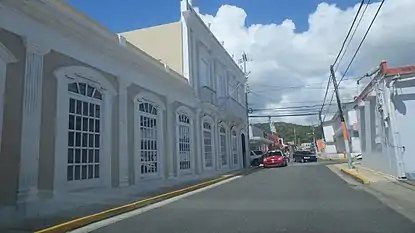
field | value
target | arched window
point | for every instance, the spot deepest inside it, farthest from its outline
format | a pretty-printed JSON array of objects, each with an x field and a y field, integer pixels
[
  {"x": 149, "y": 139},
  {"x": 207, "y": 145},
  {"x": 184, "y": 142},
  {"x": 84, "y": 132},
  {"x": 83, "y": 128},
  {"x": 223, "y": 147},
  {"x": 234, "y": 147}
]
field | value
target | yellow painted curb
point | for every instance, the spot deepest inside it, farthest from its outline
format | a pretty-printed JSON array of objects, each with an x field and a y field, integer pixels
[
  {"x": 355, "y": 176},
  {"x": 83, "y": 221}
]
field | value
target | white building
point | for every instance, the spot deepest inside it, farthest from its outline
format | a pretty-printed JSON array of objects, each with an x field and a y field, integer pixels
[
  {"x": 190, "y": 48},
  {"x": 334, "y": 135},
  {"x": 86, "y": 116},
  {"x": 386, "y": 107}
]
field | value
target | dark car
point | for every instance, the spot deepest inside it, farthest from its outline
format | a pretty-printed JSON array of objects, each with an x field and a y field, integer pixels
[{"x": 305, "y": 156}]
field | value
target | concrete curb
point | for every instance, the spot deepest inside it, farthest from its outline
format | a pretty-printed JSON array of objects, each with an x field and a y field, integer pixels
[
  {"x": 331, "y": 159},
  {"x": 355, "y": 176},
  {"x": 83, "y": 221}
]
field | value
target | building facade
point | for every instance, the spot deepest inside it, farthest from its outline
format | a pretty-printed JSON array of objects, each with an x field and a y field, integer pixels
[
  {"x": 333, "y": 131},
  {"x": 386, "y": 107},
  {"x": 190, "y": 48},
  {"x": 86, "y": 116}
]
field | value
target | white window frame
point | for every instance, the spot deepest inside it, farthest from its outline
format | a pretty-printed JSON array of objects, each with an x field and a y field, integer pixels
[
  {"x": 187, "y": 112},
  {"x": 65, "y": 76},
  {"x": 6, "y": 57},
  {"x": 210, "y": 121},
  {"x": 234, "y": 148},
  {"x": 205, "y": 75},
  {"x": 223, "y": 134},
  {"x": 148, "y": 97},
  {"x": 89, "y": 100}
]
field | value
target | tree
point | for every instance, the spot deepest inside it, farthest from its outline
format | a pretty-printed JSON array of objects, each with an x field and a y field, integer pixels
[{"x": 303, "y": 133}]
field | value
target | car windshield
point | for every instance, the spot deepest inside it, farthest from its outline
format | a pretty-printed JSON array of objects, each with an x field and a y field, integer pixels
[{"x": 274, "y": 153}]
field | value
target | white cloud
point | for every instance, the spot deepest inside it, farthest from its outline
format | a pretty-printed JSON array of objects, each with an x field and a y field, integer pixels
[{"x": 281, "y": 57}]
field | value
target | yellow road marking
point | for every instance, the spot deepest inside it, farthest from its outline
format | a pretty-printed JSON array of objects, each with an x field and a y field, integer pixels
[{"x": 79, "y": 222}]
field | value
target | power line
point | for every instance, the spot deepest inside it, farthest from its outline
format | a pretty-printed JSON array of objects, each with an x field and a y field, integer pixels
[
  {"x": 358, "y": 48},
  {"x": 341, "y": 49},
  {"x": 284, "y": 115},
  {"x": 361, "y": 42},
  {"x": 353, "y": 34},
  {"x": 348, "y": 33}
]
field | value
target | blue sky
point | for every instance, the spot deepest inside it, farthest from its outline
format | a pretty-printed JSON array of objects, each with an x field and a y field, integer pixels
[{"x": 124, "y": 15}]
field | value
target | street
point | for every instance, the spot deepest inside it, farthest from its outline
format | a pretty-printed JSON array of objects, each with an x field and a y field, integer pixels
[{"x": 298, "y": 198}]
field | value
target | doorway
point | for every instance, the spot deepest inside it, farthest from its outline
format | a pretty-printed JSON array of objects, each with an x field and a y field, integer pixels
[{"x": 243, "y": 150}]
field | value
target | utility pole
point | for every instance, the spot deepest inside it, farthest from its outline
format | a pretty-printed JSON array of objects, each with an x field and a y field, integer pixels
[
  {"x": 244, "y": 61},
  {"x": 321, "y": 126},
  {"x": 342, "y": 120}
]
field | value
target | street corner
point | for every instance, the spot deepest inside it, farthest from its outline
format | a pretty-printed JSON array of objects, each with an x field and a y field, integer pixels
[
  {"x": 342, "y": 170},
  {"x": 355, "y": 175}
]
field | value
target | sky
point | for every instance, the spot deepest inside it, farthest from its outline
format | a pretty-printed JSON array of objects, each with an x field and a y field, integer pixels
[{"x": 290, "y": 43}]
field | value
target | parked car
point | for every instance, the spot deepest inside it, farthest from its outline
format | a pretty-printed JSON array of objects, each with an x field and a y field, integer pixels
[
  {"x": 275, "y": 158},
  {"x": 256, "y": 157},
  {"x": 305, "y": 156}
]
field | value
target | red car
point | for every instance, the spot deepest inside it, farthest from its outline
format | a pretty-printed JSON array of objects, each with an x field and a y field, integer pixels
[{"x": 275, "y": 158}]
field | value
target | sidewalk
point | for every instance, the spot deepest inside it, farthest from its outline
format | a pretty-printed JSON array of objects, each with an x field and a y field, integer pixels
[
  {"x": 142, "y": 199},
  {"x": 398, "y": 194}
]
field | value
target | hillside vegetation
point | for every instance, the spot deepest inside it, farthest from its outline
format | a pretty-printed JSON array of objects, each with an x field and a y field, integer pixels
[{"x": 303, "y": 133}]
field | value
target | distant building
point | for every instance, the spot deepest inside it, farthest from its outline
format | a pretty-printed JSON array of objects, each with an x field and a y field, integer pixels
[{"x": 257, "y": 139}]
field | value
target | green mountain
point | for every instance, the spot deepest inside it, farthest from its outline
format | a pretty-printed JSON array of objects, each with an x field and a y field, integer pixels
[{"x": 303, "y": 133}]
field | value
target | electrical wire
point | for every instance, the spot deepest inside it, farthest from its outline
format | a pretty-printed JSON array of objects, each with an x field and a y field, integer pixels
[
  {"x": 340, "y": 52},
  {"x": 361, "y": 42},
  {"x": 350, "y": 30},
  {"x": 353, "y": 34},
  {"x": 358, "y": 48}
]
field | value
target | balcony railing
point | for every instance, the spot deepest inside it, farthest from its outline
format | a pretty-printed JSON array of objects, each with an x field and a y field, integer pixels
[{"x": 207, "y": 95}]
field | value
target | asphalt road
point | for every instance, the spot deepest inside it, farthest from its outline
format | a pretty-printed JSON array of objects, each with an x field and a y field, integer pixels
[{"x": 298, "y": 198}]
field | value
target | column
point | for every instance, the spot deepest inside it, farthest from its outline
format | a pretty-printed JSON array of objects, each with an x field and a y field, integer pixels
[
  {"x": 216, "y": 143},
  {"x": 230, "y": 146},
  {"x": 31, "y": 122},
  {"x": 171, "y": 132},
  {"x": 123, "y": 154},
  {"x": 198, "y": 130}
]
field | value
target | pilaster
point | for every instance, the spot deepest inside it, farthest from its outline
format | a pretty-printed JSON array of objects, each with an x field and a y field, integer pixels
[
  {"x": 31, "y": 121},
  {"x": 123, "y": 133}
]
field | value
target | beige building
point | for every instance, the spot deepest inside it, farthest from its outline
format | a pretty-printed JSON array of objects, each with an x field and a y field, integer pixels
[{"x": 86, "y": 116}]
